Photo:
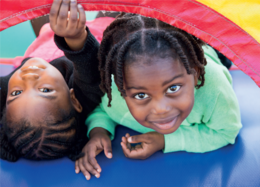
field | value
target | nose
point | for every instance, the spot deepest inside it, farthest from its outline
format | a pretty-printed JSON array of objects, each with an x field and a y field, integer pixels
[{"x": 161, "y": 106}]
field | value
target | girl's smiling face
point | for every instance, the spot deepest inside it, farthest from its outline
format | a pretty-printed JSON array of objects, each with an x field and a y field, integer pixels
[
  {"x": 160, "y": 93},
  {"x": 37, "y": 89}
]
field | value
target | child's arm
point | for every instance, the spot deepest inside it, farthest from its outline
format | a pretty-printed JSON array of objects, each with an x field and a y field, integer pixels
[
  {"x": 67, "y": 24},
  {"x": 73, "y": 35}
]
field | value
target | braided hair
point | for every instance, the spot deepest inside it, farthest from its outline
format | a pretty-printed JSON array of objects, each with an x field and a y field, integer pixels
[
  {"x": 131, "y": 35},
  {"x": 48, "y": 140}
]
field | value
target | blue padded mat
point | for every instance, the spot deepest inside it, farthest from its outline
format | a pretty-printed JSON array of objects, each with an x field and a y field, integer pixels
[{"x": 234, "y": 165}]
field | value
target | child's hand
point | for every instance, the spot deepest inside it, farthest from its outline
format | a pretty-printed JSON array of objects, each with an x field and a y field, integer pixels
[
  {"x": 99, "y": 141},
  {"x": 68, "y": 25},
  {"x": 150, "y": 143}
]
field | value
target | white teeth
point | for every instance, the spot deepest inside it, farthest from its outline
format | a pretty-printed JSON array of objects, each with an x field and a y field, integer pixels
[{"x": 34, "y": 67}]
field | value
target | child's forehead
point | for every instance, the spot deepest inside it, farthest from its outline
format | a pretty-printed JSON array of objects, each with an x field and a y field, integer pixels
[
  {"x": 152, "y": 61},
  {"x": 153, "y": 68},
  {"x": 36, "y": 120}
]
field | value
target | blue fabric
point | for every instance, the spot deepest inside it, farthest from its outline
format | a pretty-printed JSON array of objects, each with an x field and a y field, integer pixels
[{"x": 233, "y": 165}]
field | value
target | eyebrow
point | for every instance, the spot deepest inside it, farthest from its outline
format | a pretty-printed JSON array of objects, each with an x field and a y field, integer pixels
[
  {"x": 136, "y": 88},
  {"x": 175, "y": 77},
  {"x": 50, "y": 97}
]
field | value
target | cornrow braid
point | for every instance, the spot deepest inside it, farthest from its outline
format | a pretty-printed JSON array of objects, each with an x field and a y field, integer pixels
[
  {"x": 120, "y": 61},
  {"x": 131, "y": 35},
  {"x": 48, "y": 140}
]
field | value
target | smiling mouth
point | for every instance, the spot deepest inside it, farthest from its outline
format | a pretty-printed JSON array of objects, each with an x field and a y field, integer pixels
[
  {"x": 31, "y": 68},
  {"x": 165, "y": 124}
]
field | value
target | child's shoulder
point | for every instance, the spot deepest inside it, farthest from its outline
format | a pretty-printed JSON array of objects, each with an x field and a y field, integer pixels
[
  {"x": 217, "y": 76},
  {"x": 218, "y": 85}
]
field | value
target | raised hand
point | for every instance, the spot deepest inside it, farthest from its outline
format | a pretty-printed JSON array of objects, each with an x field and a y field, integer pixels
[
  {"x": 65, "y": 22},
  {"x": 99, "y": 141},
  {"x": 150, "y": 143}
]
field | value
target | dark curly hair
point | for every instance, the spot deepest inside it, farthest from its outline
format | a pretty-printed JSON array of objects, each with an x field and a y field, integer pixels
[
  {"x": 130, "y": 36},
  {"x": 45, "y": 140}
]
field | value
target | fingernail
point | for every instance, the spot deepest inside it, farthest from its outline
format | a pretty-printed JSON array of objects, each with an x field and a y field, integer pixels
[
  {"x": 99, "y": 170},
  {"x": 76, "y": 171},
  {"x": 96, "y": 175},
  {"x": 80, "y": 6},
  {"x": 129, "y": 139},
  {"x": 109, "y": 155},
  {"x": 87, "y": 177},
  {"x": 72, "y": 1}
]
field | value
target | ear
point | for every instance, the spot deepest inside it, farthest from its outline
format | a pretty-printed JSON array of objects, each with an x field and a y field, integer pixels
[{"x": 76, "y": 104}]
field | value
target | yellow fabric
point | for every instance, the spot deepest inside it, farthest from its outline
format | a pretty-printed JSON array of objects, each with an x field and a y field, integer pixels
[{"x": 244, "y": 13}]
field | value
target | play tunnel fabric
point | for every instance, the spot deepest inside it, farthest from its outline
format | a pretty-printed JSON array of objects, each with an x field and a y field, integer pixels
[{"x": 230, "y": 26}]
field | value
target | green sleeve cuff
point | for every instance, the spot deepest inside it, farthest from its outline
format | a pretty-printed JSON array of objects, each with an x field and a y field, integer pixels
[
  {"x": 174, "y": 141},
  {"x": 105, "y": 124},
  {"x": 99, "y": 118}
]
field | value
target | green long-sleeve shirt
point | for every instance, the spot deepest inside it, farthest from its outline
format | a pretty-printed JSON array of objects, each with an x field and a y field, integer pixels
[{"x": 213, "y": 122}]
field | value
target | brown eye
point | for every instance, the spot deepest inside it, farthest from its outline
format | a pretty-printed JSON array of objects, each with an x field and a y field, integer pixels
[
  {"x": 141, "y": 96},
  {"x": 173, "y": 89},
  {"x": 16, "y": 92},
  {"x": 45, "y": 90}
]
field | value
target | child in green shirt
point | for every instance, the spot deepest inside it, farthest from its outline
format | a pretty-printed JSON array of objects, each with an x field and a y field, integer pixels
[{"x": 177, "y": 98}]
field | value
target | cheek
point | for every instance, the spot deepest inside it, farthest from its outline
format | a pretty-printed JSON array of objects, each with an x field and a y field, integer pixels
[
  {"x": 186, "y": 103},
  {"x": 139, "y": 112},
  {"x": 14, "y": 79}
]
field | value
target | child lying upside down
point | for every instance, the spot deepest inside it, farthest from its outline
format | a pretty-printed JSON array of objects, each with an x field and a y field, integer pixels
[
  {"x": 174, "y": 92},
  {"x": 46, "y": 104}
]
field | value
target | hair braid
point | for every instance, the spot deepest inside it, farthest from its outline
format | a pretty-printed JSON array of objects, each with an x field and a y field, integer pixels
[
  {"x": 106, "y": 42},
  {"x": 7, "y": 151},
  {"x": 22, "y": 146},
  {"x": 193, "y": 55},
  {"x": 107, "y": 72},
  {"x": 177, "y": 47},
  {"x": 49, "y": 140},
  {"x": 120, "y": 61}
]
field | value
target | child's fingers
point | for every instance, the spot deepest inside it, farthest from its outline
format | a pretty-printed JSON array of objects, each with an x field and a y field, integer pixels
[
  {"x": 73, "y": 17},
  {"x": 138, "y": 138},
  {"x": 83, "y": 170},
  {"x": 136, "y": 153},
  {"x": 107, "y": 147},
  {"x": 89, "y": 167},
  {"x": 82, "y": 16},
  {"x": 63, "y": 14},
  {"x": 129, "y": 146},
  {"x": 124, "y": 139},
  {"x": 125, "y": 149},
  {"x": 92, "y": 160},
  {"x": 77, "y": 170},
  {"x": 54, "y": 12}
]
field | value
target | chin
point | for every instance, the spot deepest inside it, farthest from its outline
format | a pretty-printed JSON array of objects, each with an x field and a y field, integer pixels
[
  {"x": 167, "y": 131},
  {"x": 162, "y": 131}
]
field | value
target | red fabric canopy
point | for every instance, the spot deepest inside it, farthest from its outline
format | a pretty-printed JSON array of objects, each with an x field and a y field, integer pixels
[{"x": 189, "y": 15}]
